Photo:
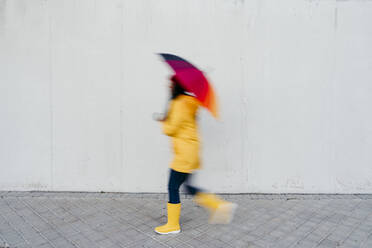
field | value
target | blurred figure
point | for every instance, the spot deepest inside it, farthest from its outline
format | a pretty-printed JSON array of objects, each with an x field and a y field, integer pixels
[{"x": 180, "y": 124}]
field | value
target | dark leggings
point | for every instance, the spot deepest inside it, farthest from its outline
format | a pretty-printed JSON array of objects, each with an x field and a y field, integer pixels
[{"x": 176, "y": 179}]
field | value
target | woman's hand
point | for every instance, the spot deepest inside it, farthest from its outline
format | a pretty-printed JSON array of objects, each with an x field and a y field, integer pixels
[{"x": 159, "y": 116}]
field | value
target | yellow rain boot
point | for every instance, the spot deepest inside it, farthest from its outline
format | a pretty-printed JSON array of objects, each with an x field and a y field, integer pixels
[
  {"x": 221, "y": 212},
  {"x": 173, "y": 225}
]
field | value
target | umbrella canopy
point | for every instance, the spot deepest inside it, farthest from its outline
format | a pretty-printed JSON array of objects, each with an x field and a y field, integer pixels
[{"x": 192, "y": 80}]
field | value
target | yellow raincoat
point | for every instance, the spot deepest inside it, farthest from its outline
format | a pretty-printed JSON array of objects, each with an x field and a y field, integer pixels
[{"x": 181, "y": 126}]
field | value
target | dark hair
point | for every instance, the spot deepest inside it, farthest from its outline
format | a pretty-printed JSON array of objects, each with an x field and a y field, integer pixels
[{"x": 177, "y": 88}]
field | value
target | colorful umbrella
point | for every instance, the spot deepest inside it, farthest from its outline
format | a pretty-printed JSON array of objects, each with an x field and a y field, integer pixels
[{"x": 192, "y": 80}]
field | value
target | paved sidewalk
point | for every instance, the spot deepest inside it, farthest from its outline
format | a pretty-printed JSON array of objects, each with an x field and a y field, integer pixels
[{"x": 90, "y": 220}]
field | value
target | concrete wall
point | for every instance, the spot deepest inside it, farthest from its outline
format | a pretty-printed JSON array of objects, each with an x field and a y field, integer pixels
[{"x": 79, "y": 81}]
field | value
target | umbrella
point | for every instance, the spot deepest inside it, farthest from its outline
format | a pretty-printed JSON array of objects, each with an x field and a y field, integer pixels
[{"x": 192, "y": 80}]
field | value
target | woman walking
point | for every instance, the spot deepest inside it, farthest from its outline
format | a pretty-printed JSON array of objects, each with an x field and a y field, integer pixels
[{"x": 180, "y": 124}]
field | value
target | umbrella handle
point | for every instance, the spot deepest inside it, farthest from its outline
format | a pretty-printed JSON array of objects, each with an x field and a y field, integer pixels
[
  {"x": 158, "y": 116},
  {"x": 161, "y": 116}
]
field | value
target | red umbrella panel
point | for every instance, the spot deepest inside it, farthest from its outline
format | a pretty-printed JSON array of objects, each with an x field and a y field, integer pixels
[{"x": 193, "y": 80}]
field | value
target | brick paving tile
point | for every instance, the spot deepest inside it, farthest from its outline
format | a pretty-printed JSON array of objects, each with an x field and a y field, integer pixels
[{"x": 110, "y": 220}]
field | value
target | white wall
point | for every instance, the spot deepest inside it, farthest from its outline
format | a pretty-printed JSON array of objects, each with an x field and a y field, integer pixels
[{"x": 79, "y": 81}]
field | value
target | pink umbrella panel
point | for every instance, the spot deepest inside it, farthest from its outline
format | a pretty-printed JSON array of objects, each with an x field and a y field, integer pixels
[{"x": 193, "y": 80}]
